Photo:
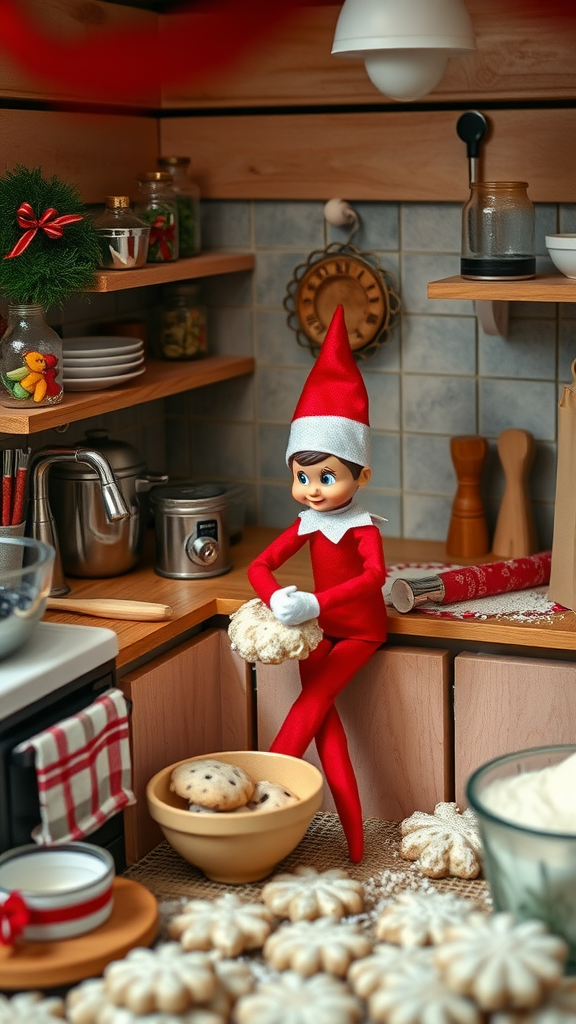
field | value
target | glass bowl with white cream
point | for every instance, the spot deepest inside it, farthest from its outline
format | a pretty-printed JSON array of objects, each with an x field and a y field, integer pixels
[{"x": 525, "y": 803}]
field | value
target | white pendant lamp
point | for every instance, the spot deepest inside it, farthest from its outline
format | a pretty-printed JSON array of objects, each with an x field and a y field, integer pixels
[{"x": 405, "y": 44}]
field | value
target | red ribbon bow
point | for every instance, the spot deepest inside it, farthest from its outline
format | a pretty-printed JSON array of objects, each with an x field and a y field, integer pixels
[
  {"x": 161, "y": 234},
  {"x": 49, "y": 222},
  {"x": 14, "y": 916}
]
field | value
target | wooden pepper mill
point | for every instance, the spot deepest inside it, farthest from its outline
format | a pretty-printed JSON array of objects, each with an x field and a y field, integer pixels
[
  {"x": 515, "y": 535},
  {"x": 468, "y": 530}
]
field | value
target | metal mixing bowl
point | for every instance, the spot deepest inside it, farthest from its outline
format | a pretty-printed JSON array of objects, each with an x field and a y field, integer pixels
[
  {"x": 123, "y": 248},
  {"x": 25, "y": 581}
]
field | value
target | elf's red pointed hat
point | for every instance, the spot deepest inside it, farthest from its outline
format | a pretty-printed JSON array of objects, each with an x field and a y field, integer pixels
[{"x": 332, "y": 412}]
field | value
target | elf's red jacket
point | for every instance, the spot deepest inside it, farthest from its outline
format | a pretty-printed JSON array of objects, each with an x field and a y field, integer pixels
[{"x": 348, "y": 579}]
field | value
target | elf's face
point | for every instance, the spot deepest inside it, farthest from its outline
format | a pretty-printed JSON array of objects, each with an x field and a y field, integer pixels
[{"x": 327, "y": 485}]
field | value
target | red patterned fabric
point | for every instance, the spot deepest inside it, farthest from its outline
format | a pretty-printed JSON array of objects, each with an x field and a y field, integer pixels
[
  {"x": 83, "y": 769},
  {"x": 496, "y": 577}
]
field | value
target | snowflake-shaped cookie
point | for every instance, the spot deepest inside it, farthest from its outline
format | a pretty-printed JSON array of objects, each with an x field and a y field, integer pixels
[
  {"x": 166, "y": 978},
  {"x": 558, "y": 1008},
  {"x": 30, "y": 1008},
  {"x": 296, "y": 1000},
  {"x": 444, "y": 843},
  {"x": 89, "y": 1003},
  {"x": 236, "y": 978},
  {"x": 420, "y": 997},
  {"x": 366, "y": 975},
  {"x": 312, "y": 946},
  {"x": 421, "y": 919},
  {"x": 501, "y": 964},
  {"x": 308, "y": 894},
  {"x": 226, "y": 924}
]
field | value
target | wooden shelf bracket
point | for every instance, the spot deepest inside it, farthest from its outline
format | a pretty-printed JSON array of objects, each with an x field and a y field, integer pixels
[{"x": 493, "y": 316}]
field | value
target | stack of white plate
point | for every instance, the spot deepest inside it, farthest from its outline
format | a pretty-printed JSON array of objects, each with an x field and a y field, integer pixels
[{"x": 93, "y": 363}]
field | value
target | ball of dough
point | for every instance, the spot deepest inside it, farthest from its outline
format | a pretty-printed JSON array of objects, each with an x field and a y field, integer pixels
[
  {"x": 213, "y": 784},
  {"x": 258, "y": 636}
]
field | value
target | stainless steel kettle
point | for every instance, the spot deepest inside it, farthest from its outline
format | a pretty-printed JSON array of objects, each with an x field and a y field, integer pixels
[{"x": 89, "y": 545}]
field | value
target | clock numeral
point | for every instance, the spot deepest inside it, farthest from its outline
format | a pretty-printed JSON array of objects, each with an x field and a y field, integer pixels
[
  {"x": 322, "y": 272},
  {"x": 314, "y": 323},
  {"x": 342, "y": 266},
  {"x": 371, "y": 318}
]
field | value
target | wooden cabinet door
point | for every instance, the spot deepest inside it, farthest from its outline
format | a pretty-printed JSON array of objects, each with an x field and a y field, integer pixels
[
  {"x": 397, "y": 716},
  {"x": 502, "y": 704},
  {"x": 192, "y": 700}
]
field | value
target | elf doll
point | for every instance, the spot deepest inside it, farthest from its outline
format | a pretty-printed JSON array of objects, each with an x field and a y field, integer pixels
[{"x": 329, "y": 456}]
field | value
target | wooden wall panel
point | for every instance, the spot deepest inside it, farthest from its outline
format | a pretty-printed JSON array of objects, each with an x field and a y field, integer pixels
[
  {"x": 398, "y": 721},
  {"x": 74, "y": 19},
  {"x": 522, "y": 53},
  {"x": 404, "y": 155},
  {"x": 103, "y": 153},
  {"x": 505, "y": 704}
]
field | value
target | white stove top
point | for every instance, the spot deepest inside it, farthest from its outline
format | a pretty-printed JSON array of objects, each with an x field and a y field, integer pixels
[{"x": 54, "y": 655}]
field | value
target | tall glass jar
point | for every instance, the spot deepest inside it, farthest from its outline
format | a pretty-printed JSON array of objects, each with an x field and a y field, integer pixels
[
  {"x": 188, "y": 199},
  {"x": 30, "y": 360},
  {"x": 156, "y": 205},
  {"x": 183, "y": 323},
  {"x": 498, "y": 232}
]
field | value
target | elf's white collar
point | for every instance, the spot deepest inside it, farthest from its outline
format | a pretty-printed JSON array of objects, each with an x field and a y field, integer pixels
[{"x": 335, "y": 523}]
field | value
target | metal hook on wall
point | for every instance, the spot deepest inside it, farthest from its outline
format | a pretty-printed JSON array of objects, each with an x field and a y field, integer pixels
[{"x": 339, "y": 213}]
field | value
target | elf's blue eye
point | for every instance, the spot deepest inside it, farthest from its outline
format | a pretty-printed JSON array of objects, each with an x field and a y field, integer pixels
[
  {"x": 302, "y": 478},
  {"x": 327, "y": 479}
]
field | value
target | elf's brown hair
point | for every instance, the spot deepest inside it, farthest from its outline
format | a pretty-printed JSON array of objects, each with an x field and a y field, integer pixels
[{"x": 311, "y": 458}]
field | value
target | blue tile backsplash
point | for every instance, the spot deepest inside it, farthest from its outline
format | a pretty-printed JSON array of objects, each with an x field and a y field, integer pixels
[{"x": 439, "y": 374}]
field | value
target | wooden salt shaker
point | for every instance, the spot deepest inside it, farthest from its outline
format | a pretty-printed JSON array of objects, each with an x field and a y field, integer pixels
[
  {"x": 515, "y": 535},
  {"x": 468, "y": 530}
]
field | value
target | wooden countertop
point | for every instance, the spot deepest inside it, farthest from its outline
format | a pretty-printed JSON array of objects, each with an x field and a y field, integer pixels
[{"x": 194, "y": 601}]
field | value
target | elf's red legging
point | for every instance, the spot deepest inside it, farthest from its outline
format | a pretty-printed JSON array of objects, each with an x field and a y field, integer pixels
[{"x": 313, "y": 716}]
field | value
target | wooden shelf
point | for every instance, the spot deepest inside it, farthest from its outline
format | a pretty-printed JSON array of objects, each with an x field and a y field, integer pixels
[
  {"x": 206, "y": 264},
  {"x": 161, "y": 379},
  {"x": 542, "y": 288}
]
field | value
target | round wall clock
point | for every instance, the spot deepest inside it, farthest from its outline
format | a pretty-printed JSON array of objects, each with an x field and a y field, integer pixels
[{"x": 342, "y": 275}]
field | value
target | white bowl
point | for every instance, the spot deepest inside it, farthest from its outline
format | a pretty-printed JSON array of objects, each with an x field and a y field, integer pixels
[
  {"x": 562, "y": 249},
  {"x": 67, "y": 888},
  {"x": 71, "y": 372},
  {"x": 98, "y": 383}
]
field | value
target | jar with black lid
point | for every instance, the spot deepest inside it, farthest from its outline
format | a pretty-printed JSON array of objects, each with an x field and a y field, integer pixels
[
  {"x": 498, "y": 232},
  {"x": 157, "y": 206}
]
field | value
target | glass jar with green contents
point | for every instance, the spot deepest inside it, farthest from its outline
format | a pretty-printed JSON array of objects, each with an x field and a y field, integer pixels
[
  {"x": 157, "y": 206},
  {"x": 188, "y": 200},
  {"x": 183, "y": 322}
]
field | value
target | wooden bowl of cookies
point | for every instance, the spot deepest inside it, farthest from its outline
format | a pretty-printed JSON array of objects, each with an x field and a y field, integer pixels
[{"x": 240, "y": 843}]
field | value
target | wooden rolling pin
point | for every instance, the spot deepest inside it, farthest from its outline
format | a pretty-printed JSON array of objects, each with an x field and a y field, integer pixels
[{"x": 107, "y": 608}]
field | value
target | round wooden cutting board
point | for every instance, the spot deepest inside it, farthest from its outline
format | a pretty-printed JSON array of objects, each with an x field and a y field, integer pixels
[{"x": 41, "y": 965}]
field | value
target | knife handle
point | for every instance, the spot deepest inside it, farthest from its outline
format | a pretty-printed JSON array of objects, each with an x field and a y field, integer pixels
[{"x": 109, "y": 608}]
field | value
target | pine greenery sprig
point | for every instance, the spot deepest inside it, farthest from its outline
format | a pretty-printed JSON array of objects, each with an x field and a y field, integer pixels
[{"x": 50, "y": 269}]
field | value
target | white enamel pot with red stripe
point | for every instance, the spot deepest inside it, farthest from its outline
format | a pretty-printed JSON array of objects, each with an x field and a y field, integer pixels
[{"x": 54, "y": 892}]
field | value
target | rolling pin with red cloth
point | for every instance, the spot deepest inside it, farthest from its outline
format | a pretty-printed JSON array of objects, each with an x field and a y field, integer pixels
[{"x": 473, "y": 581}]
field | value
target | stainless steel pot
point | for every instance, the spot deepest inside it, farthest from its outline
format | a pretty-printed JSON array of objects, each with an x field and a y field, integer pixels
[
  {"x": 191, "y": 530},
  {"x": 89, "y": 545}
]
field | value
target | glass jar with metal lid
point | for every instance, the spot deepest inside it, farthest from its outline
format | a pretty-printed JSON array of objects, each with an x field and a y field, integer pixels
[
  {"x": 188, "y": 201},
  {"x": 157, "y": 206},
  {"x": 122, "y": 235},
  {"x": 191, "y": 530}
]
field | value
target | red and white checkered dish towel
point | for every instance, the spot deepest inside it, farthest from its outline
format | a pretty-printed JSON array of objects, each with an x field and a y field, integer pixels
[{"x": 83, "y": 769}]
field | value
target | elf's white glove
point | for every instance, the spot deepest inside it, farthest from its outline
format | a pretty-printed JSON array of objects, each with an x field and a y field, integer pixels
[{"x": 292, "y": 606}]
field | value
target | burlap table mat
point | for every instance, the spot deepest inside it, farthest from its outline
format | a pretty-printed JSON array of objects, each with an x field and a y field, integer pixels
[{"x": 383, "y": 871}]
